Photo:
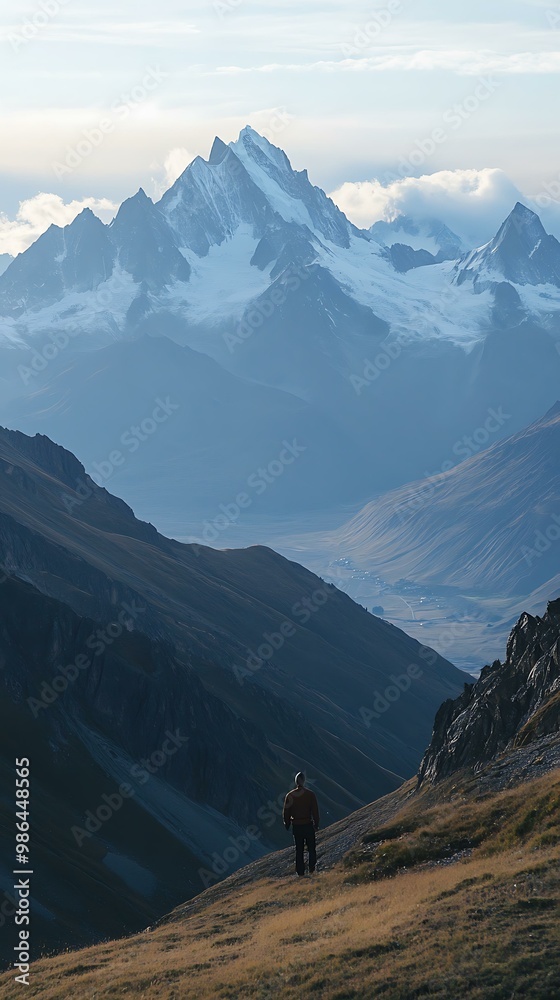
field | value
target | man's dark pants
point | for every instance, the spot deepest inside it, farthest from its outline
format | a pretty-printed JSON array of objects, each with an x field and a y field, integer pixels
[{"x": 304, "y": 833}]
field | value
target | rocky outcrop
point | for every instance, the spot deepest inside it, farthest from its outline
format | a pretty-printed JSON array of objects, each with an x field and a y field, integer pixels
[{"x": 510, "y": 705}]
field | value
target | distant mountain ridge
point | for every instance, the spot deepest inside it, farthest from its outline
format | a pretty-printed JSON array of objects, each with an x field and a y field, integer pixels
[
  {"x": 248, "y": 195},
  {"x": 507, "y": 497}
]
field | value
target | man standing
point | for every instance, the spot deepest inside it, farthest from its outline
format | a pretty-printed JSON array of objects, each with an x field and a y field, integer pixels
[{"x": 302, "y": 811}]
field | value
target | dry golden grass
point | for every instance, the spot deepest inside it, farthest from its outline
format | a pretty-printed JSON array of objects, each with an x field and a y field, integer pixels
[
  {"x": 528, "y": 814},
  {"x": 485, "y": 926}
]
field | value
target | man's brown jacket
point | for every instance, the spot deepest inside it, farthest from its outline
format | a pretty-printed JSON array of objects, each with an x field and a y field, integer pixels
[{"x": 300, "y": 806}]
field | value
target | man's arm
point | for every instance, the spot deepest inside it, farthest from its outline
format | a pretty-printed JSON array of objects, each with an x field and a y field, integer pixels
[
  {"x": 315, "y": 811},
  {"x": 287, "y": 814}
]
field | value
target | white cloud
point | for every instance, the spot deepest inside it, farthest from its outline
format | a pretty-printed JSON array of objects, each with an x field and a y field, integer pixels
[
  {"x": 473, "y": 203},
  {"x": 173, "y": 165},
  {"x": 35, "y": 215},
  {"x": 462, "y": 62},
  {"x": 153, "y": 33}
]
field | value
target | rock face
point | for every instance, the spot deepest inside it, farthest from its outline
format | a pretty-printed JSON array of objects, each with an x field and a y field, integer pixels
[{"x": 512, "y": 704}]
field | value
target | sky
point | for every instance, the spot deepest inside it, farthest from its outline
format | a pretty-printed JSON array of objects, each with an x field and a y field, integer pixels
[{"x": 391, "y": 105}]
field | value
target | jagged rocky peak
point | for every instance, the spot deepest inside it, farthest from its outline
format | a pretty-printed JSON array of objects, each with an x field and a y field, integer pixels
[
  {"x": 525, "y": 222},
  {"x": 218, "y": 152},
  {"x": 511, "y": 704},
  {"x": 137, "y": 202},
  {"x": 77, "y": 257},
  {"x": 261, "y": 149},
  {"x": 521, "y": 233},
  {"x": 288, "y": 191},
  {"x": 554, "y": 410},
  {"x": 521, "y": 251},
  {"x": 84, "y": 220},
  {"x": 45, "y": 454},
  {"x": 212, "y": 199},
  {"x": 40, "y": 466}
]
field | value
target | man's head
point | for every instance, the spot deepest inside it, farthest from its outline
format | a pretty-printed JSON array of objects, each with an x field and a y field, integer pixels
[{"x": 300, "y": 779}]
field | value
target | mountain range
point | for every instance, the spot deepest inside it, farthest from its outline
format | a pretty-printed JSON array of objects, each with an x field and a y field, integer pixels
[{"x": 246, "y": 285}]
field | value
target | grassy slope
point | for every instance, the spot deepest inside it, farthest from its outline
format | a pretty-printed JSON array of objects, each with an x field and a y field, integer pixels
[{"x": 482, "y": 923}]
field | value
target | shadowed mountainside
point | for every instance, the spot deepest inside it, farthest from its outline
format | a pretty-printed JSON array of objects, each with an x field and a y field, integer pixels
[{"x": 260, "y": 666}]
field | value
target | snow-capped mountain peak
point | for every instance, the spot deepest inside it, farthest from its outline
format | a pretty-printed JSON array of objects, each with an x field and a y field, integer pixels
[
  {"x": 521, "y": 252},
  {"x": 242, "y": 225},
  {"x": 419, "y": 234},
  {"x": 212, "y": 199},
  {"x": 288, "y": 191},
  {"x": 521, "y": 230},
  {"x": 257, "y": 146}
]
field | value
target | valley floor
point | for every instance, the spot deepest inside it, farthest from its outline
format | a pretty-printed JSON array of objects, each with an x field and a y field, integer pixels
[{"x": 469, "y": 629}]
